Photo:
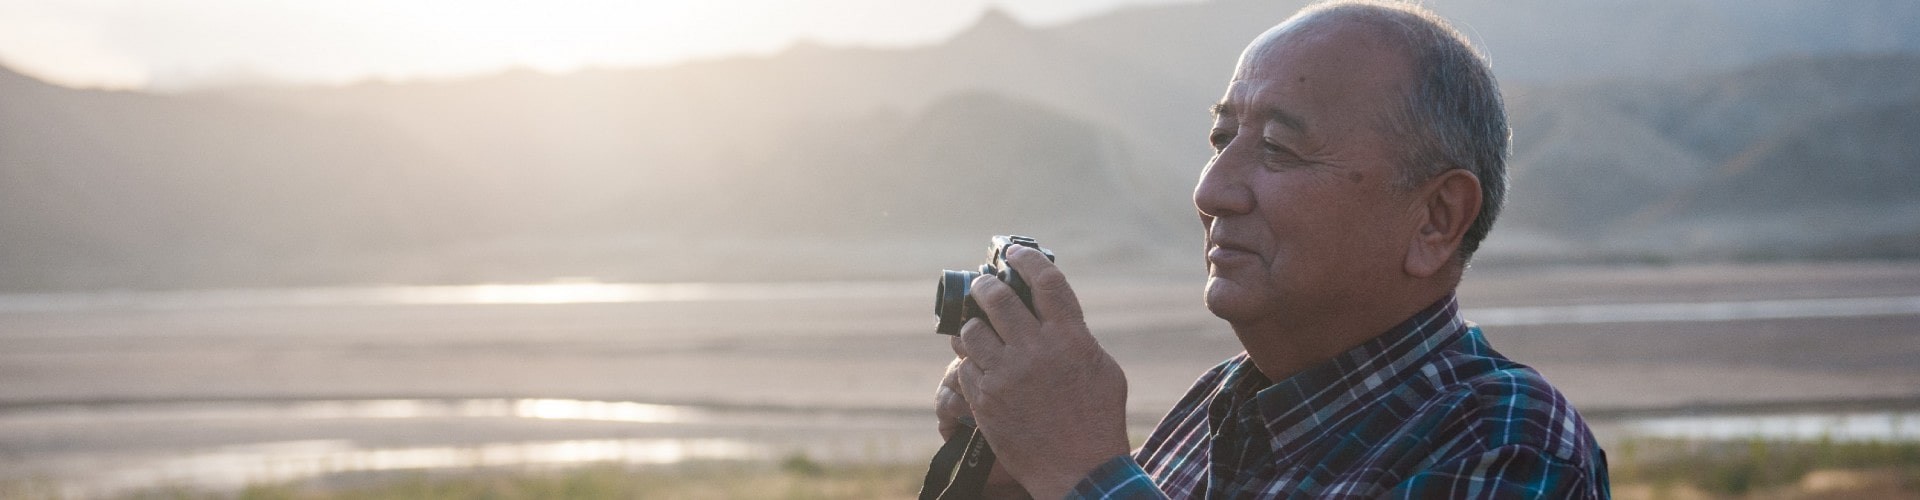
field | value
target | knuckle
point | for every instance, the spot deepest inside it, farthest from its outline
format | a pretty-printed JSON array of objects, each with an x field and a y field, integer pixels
[
  {"x": 997, "y": 298},
  {"x": 1069, "y": 317},
  {"x": 951, "y": 402},
  {"x": 1047, "y": 278},
  {"x": 989, "y": 288},
  {"x": 976, "y": 356},
  {"x": 970, "y": 380},
  {"x": 963, "y": 378},
  {"x": 973, "y": 331},
  {"x": 1007, "y": 300},
  {"x": 982, "y": 283},
  {"x": 978, "y": 340}
]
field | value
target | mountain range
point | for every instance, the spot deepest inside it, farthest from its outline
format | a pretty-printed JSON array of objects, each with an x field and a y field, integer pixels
[{"x": 1686, "y": 130}]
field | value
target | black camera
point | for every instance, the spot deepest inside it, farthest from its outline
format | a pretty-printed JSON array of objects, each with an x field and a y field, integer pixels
[{"x": 953, "y": 300}]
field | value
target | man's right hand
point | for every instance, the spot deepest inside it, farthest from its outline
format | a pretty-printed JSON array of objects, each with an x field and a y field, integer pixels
[{"x": 952, "y": 409}]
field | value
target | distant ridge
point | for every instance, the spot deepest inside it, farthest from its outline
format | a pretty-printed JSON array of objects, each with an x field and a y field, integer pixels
[
  {"x": 855, "y": 163},
  {"x": 1728, "y": 165}
]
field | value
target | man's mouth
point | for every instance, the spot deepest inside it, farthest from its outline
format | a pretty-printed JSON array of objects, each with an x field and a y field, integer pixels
[{"x": 1227, "y": 250}]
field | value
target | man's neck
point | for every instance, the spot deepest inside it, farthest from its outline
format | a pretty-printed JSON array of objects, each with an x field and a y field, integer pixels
[{"x": 1281, "y": 348}]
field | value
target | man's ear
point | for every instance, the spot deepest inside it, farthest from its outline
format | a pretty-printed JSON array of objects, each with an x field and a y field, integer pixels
[{"x": 1446, "y": 204}]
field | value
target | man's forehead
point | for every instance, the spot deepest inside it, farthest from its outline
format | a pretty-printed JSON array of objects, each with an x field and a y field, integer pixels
[
  {"x": 1312, "y": 60},
  {"x": 1316, "y": 37}
]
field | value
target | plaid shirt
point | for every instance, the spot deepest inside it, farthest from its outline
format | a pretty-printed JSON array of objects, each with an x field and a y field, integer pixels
[{"x": 1426, "y": 410}]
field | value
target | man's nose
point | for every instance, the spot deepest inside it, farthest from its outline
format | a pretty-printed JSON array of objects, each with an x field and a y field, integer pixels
[{"x": 1221, "y": 191}]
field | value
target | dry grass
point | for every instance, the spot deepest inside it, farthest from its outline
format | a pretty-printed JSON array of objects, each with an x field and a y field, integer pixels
[
  {"x": 1671, "y": 469},
  {"x": 794, "y": 478},
  {"x": 1641, "y": 469}
]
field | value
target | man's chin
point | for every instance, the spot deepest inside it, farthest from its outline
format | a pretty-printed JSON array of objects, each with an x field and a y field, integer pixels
[{"x": 1231, "y": 301}]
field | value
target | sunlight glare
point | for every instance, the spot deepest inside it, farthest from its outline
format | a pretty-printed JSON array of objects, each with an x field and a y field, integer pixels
[
  {"x": 236, "y": 466},
  {"x": 604, "y": 411}
]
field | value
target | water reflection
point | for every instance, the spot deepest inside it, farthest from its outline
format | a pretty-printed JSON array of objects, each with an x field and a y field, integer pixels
[
  {"x": 604, "y": 411},
  {"x": 633, "y": 293},
  {"x": 544, "y": 409},
  {"x": 669, "y": 434},
  {"x": 237, "y": 466},
  {"x": 1666, "y": 312},
  {"x": 1857, "y": 426},
  {"x": 487, "y": 294},
  {"x": 355, "y": 431}
]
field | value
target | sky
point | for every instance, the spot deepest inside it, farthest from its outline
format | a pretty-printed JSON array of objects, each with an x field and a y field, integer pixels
[{"x": 181, "y": 44}]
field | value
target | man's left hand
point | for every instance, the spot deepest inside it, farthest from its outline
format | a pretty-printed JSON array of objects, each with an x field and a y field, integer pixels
[{"x": 1050, "y": 400}]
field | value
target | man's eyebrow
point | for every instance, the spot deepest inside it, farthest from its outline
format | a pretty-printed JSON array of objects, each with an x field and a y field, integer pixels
[
  {"x": 1289, "y": 119},
  {"x": 1276, "y": 114}
]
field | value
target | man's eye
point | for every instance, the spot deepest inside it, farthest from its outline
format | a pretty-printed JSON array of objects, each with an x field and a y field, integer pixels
[
  {"x": 1277, "y": 155},
  {"x": 1276, "y": 150}
]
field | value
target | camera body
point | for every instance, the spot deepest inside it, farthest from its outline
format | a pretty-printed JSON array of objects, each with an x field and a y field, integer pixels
[{"x": 953, "y": 299}]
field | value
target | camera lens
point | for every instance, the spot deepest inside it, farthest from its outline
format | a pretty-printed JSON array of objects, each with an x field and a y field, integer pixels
[{"x": 949, "y": 300}]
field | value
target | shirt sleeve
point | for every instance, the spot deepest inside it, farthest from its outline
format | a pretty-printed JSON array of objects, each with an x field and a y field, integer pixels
[
  {"x": 1506, "y": 472},
  {"x": 1120, "y": 477}
]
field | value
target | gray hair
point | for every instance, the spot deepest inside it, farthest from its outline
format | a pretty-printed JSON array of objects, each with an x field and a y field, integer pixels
[{"x": 1453, "y": 115}]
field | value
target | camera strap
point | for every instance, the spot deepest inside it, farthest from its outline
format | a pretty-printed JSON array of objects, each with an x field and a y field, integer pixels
[{"x": 959, "y": 469}]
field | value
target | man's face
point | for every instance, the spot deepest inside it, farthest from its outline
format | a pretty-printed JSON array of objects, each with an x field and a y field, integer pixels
[{"x": 1303, "y": 214}]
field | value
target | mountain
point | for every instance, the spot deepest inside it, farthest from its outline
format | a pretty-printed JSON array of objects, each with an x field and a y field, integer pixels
[
  {"x": 1754, "y": 162},
  {"x": 1692, "y": 129},
  {"x": 109, "y": 189},
  {"x": 1541, "y": 42}
]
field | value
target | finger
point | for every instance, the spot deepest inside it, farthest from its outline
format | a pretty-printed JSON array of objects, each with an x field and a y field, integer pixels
[
  {"x": 952, "y": 378},
  {"x": 1053, "y": 298},
  {"x": 970, "y": 377},
  {"x": 959, "y": 348},
  {"x": 981, "y": 342},
  {"x": 950, "y": 407},
  {"x": 1009, "y": 316}
]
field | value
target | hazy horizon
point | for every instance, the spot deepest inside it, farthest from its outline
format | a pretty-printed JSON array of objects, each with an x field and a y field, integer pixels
[
  {"x": 1633, "y": 142},
  {"x": 174, "y": 45}
]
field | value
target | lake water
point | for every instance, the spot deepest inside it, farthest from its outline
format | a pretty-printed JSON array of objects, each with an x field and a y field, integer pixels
[
  {"x": 174, "y": 427},
  {"x": 630, "y": 293},
  {"x": 1801, "y": 426},
  {"x": 709, "y": 434}
]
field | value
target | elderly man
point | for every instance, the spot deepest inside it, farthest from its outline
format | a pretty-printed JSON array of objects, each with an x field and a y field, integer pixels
[{"x": 1358, "y": 162}]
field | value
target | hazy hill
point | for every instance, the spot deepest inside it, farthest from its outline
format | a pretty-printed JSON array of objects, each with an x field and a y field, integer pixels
[
  {"x": 1667, "y": 130},
  {"x": 1728, "y": 164},
  {"x": 1541, "y": 41},
  {"x": 123, "y": 189}
]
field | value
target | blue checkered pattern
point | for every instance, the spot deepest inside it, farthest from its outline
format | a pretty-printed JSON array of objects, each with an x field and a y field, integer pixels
[{"x": 1426, "y": 410}]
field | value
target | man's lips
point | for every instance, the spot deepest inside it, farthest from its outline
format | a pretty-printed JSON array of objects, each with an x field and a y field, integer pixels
[{"x": 1227, "y": 250}]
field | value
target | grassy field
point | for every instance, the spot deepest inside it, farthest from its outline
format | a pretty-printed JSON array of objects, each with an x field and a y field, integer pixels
[{"x": 1641, "y": 469}]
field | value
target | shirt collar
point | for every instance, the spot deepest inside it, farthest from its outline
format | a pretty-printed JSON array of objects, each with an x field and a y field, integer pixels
[{"x": 1303, "y": 405}]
